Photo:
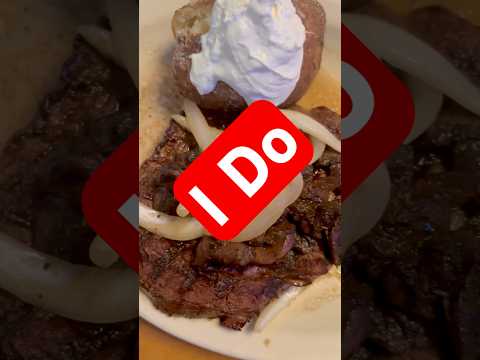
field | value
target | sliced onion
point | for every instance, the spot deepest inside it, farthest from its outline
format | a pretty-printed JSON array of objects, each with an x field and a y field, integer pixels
[
  {"x": 100, "y": 39},
  {"x": 312, "y": 127},
  {"x": 328, "y": 287},
  {"x": 365, "y": 206},
  {"x": 324, "y": 289},
  {"x": 198, "y": 126},
  {"x": 77, "y": 292},
  {"x": 181, "y": 120},
  {"x": 428, "y": 103},
  {"x": 123, "y": 15},
  {"x": 182, "y": 211},
  {"x": 101, "y": 254},
  {"x": 318, "y": 150},
  {"x": 120, "y": 44},
  {"x": 273, "y": 211},
  {"x": 188, "y": 228},
  {"x": 184, "y": 228},
  {"x": 273, "y": 309},
  {"x": 416, "y": 58},
  {"x": 170, "y": 227}
]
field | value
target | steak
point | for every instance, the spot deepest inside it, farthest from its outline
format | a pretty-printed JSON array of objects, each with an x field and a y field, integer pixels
[
  {"x": 415, "y": 276},
  {"x": 452, "y": 35},
  {"x": 410, "y": 287},
  {"x": 235, "y": 281},
  {"x": 46, "y": 164},
  {"x": 28, "y": 333},
  {"x": 44, "y": 169}
]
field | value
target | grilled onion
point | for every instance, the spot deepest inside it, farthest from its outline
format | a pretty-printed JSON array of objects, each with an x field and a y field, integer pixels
[
  {"x": 78, "y": 292},
  {"x": 184, "y": 227}
]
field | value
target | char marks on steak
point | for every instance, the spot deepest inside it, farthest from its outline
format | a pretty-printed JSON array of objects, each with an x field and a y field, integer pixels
[
  {"x": 264, "y": 250},
  {"x": 235, "y": 281},
  {"x": 158, "y": 173},
  {"x": 28, "y": 333},
  {"x": 45, "y": 165},
  {"x": 177, "y": 286},
  {"x": 44, "y": 168},
  {"x": 415, "y": 278},
  {"x": 453, "y": 36}
]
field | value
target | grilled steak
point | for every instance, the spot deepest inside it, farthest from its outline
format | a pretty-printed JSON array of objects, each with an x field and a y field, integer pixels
[
  {"x": 28, "y": 333},
  {"x": 47, "y": 163},
  {"x": 44, "y": 168},
  {"x": 411, "y": 286},
  {"x": 452, "y": 35},
  {"x": 235, "y": 281}
]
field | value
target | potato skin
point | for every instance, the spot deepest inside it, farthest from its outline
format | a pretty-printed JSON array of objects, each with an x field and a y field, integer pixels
[{"x": 224, "y": 97}]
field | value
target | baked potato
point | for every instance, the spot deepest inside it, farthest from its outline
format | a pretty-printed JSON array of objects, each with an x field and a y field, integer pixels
[{"x": 193, "y": 20}]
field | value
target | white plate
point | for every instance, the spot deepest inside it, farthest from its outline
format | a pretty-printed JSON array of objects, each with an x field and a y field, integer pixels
[{"x": 309, "y": 329}]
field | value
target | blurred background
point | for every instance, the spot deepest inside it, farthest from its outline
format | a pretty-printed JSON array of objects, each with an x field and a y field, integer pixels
[
  {"x": 69, "y": 99},
  {"x": 411, "y": 281}
]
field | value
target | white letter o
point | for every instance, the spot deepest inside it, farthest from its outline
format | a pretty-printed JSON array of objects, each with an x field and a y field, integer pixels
[{"x": 273, "y": 154}]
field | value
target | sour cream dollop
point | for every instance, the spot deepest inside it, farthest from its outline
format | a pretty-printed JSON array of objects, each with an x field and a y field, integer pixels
[{"x": 254, "y": 46}]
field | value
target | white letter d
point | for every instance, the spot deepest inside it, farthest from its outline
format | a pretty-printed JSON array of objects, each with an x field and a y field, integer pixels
[{"x": 249, "y": 188}]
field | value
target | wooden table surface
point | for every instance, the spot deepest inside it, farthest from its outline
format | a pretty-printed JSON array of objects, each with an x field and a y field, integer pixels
[{"x": 158, "y": 345}]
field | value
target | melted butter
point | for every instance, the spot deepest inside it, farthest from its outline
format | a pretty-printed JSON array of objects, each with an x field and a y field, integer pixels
[
  {"x": 467, "y": 9},
  {"x": 324, "y": 91}
]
